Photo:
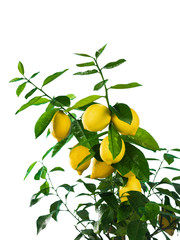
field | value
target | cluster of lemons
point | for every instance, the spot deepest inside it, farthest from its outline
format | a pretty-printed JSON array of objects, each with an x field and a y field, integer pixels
[{"x": 95, "y": 118}]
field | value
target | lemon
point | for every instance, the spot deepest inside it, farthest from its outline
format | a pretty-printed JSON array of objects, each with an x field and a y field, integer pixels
[
  {"x": 96, "y": 117},
  {"x": 127, "y": 175},
  {"x": 164, "y": 223},
  {"x": 106, "y": 154},
  {"x": 133, "y": 184},
  {"x": 100, "y": 169},
  {"x": 77, "y": 154},
  {"x": 125, "y": 128},
  {"x": 60, "y": 125}
]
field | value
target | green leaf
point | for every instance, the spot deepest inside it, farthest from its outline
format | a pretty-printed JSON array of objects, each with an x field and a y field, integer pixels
[
  {"x": 53, "y": 77},
  {"x": 42, "y": 222},
  {"x": 98, "y": 53},
  {"x": 169, "y": 158},
  {"x": 114, "y": 64},
  {"x": 83, "y": 214},
  {"x": 123, "y": 212},
  {"x": 86, "y": 159},
  {"x": 88, "y": 72},
  {"x": 137, "y": 230},
  {"x": 151, "y": 211},
  {"x": 30, "y": 93},
  {"x": 175, "y": 149},
  {"x": 83, "y": 55},
  {"x": 177, "y": 187},
  {"x": 67, "y": 187},
  {"x": 89, "y": 186},
  {"x": 57, "y": 169},
  {"x": 143, "y": 139},
  {"x": 55, "y": 208},
  {"x": 34, "y": 201},
  {"x": 41, "y": 173},
  {"x": 172, "y": 168},
  {"x": 171, "y": 194},
  {"x": 61, "y": 101},
  {"x": 115, "y": 142},
  {"x": 110, "y": 199},
  {"x": 45, "y": 188},
  {"x": 125, "y": 86},
  {"x": 99, "y": 85},
  {"x": 87, "y": 64},
  {"x": 57, "y": 147},
  {"x": 41, "y": 101},
  {"x": 16, "y": 80},
  {"x": 43, "y": 122},
  {"x": 123, "y": 112},
  {"x": 176, "y": 178},
  {"x": 20, "y": 88},
  {"x": 79, "y": 236},
  {"x": 30, "y": 169},
  {"x": 84, "y": 102},
  {"x": 71, "y": 96},
  {"x": 34, "y": 75},
  {"x": 21, "y": 68}
]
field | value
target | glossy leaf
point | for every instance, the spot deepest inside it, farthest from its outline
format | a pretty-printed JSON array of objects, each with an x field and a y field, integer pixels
[
  {"x": 123, "y": 212},
  {"x": 71, "y": 96},
  {"x": 176, "y": 178},
  {"x": 34, "y": 201},
  {"x": 172, "y": 168},
  {"x": 114, "y": 64},
  {"x": 61, "y": 101},
  {"x": 169, "y": 158},
  {"x": 125, "y": 86},
  {"x": 83, "y": 214},
  {"x": 87, "y": 64},
  {"x": 137, "y": 230},
  {"x": 98, "y": 53},
  {"x": 41, "y": 173},
  {"x": 30, "y": 169},
  {"x": 30, "y": 93},
  {"x": 53, "y": 77},
  {"x": 57, "y": 147},
  {"x": 57, "y": 169},
  {"x": 143, "y": 139},
  {"x": 151, "y": 211},
  {"x": 20, "y": 88},
  {"x": 88, "y": 72},
  {"x": 89, "y": 186},
  {"x": 115, "y": 142},
  {"x": 137, "y": 201},
  {"x": 122, "y": 111},
  {"x": 45, "y": 188},
  {"x": 43, "y": 122},
  {"x": 99, "y": 85},
  {"x": 34, "y": 75},
  {"x": 86, "y": 159},
  {"x": 42, "y": 222},
  {"x": 110, "y": 199},
  {"x": 21, "y": 68},
  {"x": 83, "y": 55},
  {"x": 55, "y": 208},
  {"x": 15, "y": 80}
]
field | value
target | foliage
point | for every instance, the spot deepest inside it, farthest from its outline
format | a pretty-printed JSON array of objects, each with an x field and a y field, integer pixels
[{"x": 115, "y": 220}]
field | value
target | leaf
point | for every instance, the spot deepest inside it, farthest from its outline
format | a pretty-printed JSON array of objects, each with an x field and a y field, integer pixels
[
  {"x": 21, "y": 68},
  {"x": 87, "y": 64},
  {"x": 41, "y": 101},
  {"x": 125, "y": 86},
  {"x": 137, "y": 230},
  {"x": 151, "y": 211},
  {"x": 143, "y": 139},
  {"x": 53, "y": 77},
  {"x": 45, "y": 188},
  {"x": 83, "y": 55},
  {"x": 98, "y": 53},
  {"x": 20, "y": 88},
  {"x": 88, "y": 72},
  {"x": 110, "y": 199},
  {"x": 34, "y": 75},
  {"x": 79, "y": 236},
  {"x": 89, "y": 186},
  {"x": 15, "y": 79},
  {"x": 99, "y": 85},
  {"x": 123, "y": 212},
  {"x": 42, "y": 222},
  {"x": 84, "y": 102},
  {"x": 54, "y": 209},
  {"x": 57, "y": 169},
  {"x": 34, "y": 201},
  {"x": 87, "y": 158},
  {"x": 177, "y": 187},
  {"x": 71, "y": 96},
  {"x": 57, "y": 147},
  {"x": 67, "y": 187},
  {"x": 169, "y": 158},
  {"x": 61, "y": 101},
  {"x": 43, "y": 122},
  {"x": 172, "y": 168},
  {"x": 114, "y": 64},
  {"x": 30, "y": 93},
  {"x": 115, "y": 142},
  {"x": 171, "y": 194},
  {"x": 30, "y": 169},
  {"x": 83, "y": 214},
  {"x": 176, "y": 178},
  {"x": 41, "y": 173},
  {"x": 123, "y": 112}
]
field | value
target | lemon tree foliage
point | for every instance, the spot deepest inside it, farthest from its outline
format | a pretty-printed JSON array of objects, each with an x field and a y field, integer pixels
[{"x": 122, "y": 190}]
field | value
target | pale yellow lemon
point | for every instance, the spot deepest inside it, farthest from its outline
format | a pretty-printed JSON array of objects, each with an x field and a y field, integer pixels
[
  {"x": 106, "y": 154},
  {"x": 96, "y": 117},
  {"x": 125, "y": 128},
  {"x": 100, "y": 169},
  {"x": 60, "y": 125}
]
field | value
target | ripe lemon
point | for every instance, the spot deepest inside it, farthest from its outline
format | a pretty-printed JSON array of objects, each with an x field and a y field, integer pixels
[
  {"x": 77, "y": 154},
  {"x": 106, "y": 154},
  {"x": 164, "y": 223},
  {"x": 96, "y": 117},
  {"x": 133, "y": 184},
  {"x": 127, "y": 175},
  {"x": 125, "y": 128},
  {"x": 101, "y": 169},
  {"x": 60, "y": 125}
]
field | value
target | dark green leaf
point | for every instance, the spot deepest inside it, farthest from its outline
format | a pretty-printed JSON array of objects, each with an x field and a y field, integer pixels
[
  {"x": 84, "y": 102},
  {"x": 175, "y": 149},
  {"x": 34, "y": 75},
  {"x": 87, "y": 64},
  {"x": 177, "y": 187},
  {"x": 60, "y": 144},
  {"x": 176, "y": 178},
  {"x": 57, "y": 169},
  {"x": 125, "y": 86},
  {"x": 86, "y": 159},
  {"x": 21, "y": 68},
  {"x": 83, "y": 55},
  {"x": 114, "y": 64},
  {"x": 83, "y": 214},
  {"x": 115, "y": 142},
  {"x": 41, "y": 173},
  {"x": 42, "y": 222},
  {"x": 98, "y": 53},
  {"x": 61, "y": 101},
  {"x": 29, "y": 169},
  {"x": 20, "y": 88},
  {"x": 30, "y": 93},
  {"x": 67, "y": 187},
  {"x": 151, "y": 211},
  {"x": 15, "y": 79},
  {"x": 88, "y": 72},
  {"x": 89, "y": 186},
  {"x": 168, "y": 193},
  {"x": 143, "y": 139},
  {"x": 45, "y": 188},
  {"x": 79, "y": 236},
  {"x": 54, "y": 209},
  {"x": 110, "y": 199},
  {"x": 172, "y": 168},
  {"x": 122, "y": 111},
  {"x": 43, "y": 122},
  {"x": 137, "y": 230},
  {"x": 137, "y": 200},
  {"x": 99, "y": 85},
  {"x": 53, "y": 77},
  {"x": 34, "y": 201},
  {"x": 169, "y": 158},
  {"x": 123, "y": 212}
]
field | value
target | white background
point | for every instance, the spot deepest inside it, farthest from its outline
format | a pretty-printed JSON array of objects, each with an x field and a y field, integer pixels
[{"x": 43, "y": 35}]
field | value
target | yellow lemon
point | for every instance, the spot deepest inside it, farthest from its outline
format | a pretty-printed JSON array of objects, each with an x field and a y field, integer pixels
[
  {"x": 127, "y": 175},
  {"x": 125, "y": 128},
  {"x": 106, "y": 154},
  {"x": 77, "y": 154},
  {"x": 96, "y": 117},
  {"x": 164, "y": 223},
  {"x": 101, "y": 169},
  {"x": 60, "y": 125},
  {"x": 133, "y": 184}
]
